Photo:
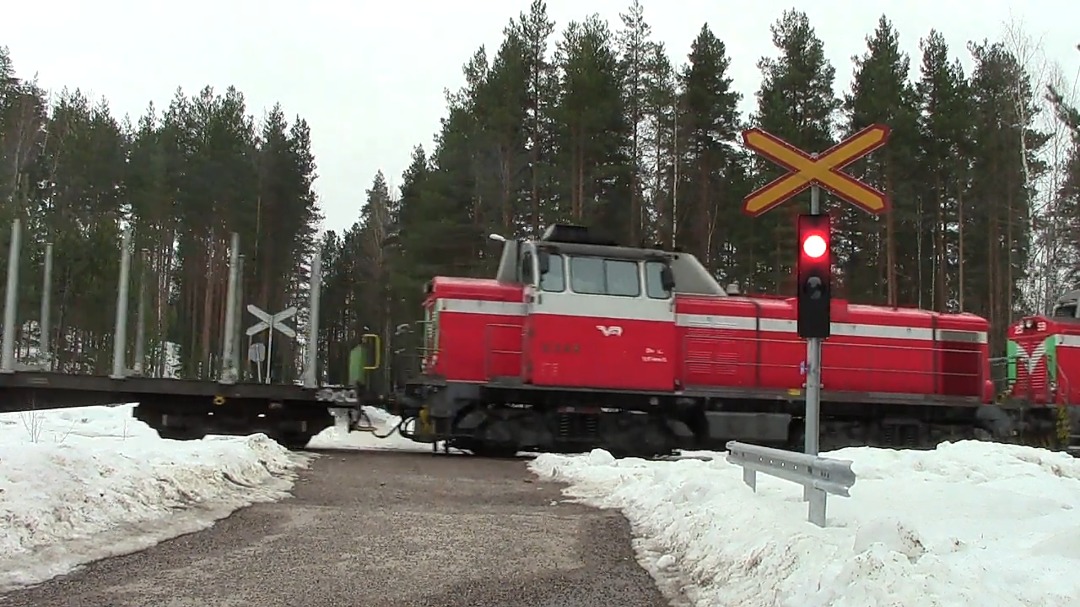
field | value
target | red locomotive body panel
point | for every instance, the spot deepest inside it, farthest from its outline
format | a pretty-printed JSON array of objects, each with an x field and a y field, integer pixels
[
  {"x": 582, "y": 341},
  {"x": 474, "y": 329},
  {"x": 752, "y": 343},
  {"x": 592, "y": 341}
]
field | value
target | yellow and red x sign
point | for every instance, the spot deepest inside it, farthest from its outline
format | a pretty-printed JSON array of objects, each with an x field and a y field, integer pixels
[{"x": 822, "y": 170}]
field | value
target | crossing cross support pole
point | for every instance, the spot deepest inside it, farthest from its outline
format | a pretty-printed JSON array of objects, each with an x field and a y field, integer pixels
[
  {"x": 813, "y": 365},
  {"x": 7, "y": 356},
  {"x": 310, "y": 375}
]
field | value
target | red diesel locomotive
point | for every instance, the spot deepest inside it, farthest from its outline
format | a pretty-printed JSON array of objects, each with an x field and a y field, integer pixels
[
  {"x": 1043, "y": 376},
  {"x": 579, "y": 343}
]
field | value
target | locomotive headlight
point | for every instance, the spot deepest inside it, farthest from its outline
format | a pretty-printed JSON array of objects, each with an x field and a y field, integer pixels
[{"x": 1028, "y": 323}]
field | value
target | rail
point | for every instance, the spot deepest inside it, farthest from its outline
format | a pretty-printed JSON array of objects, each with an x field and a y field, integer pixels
[{"x": 818, "y": 475}]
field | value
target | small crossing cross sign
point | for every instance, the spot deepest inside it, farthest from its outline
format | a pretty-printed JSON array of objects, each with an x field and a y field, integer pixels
[{"x": 271, "y": 320}]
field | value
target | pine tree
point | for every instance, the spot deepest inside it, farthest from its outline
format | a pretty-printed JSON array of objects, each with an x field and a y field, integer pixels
[
  {"x": 594, "y": 132},
  {"x": 881, "y": 264},
  {"x": 709, "y": 130},
  {"x": 797, "y": 104},
  {"x": 1005, "y": 162},
  {"x": 635, "y": 49},
  {"x": 944, "y": 162},
  {"x": 660, "y": 144},
  {"x": 534, "y": 31}
]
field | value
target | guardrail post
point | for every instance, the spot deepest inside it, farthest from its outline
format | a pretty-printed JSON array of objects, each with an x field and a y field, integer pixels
[
  {"x": 750, "y": 478},
  {"x": 818, "y": 475},
  {"x": 816, "y": 510}
]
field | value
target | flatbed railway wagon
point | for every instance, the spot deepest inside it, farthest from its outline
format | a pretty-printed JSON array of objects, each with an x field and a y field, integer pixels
[{"x": 578, "y": 342}]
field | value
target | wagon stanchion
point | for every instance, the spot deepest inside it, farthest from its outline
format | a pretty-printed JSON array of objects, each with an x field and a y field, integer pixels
[{"x": 7, "y": 357}]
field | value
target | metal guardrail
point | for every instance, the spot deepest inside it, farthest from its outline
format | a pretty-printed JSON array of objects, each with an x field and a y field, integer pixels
[{"x": 818, "y": 475}]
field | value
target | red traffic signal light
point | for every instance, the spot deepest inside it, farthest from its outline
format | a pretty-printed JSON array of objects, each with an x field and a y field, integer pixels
[
  {"x": 813, "y": 276},
  {"x": 814, "y": 246}
]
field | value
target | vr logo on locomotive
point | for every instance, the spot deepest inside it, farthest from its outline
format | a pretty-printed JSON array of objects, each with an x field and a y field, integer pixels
[{"x": 613, "y": 330}]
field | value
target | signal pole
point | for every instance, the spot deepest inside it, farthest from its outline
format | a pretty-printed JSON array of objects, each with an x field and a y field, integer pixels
[
  {"x": 814, "y": 260},
  {"x": 812, "y": 428}
]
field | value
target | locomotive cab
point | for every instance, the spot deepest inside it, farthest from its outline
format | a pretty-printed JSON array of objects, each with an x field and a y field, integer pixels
[
  {"x": 1067, "y": 307},
  {"x": 597, "y": 315}
]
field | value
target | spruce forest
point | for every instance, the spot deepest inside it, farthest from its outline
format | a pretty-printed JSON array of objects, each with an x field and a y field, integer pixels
[{"x": 597, "y": 124}]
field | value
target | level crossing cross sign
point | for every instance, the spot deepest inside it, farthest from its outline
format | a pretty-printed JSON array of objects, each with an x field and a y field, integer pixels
[
  {"x": 816, "y": 169},
  {"x": 271, "y": 320}
]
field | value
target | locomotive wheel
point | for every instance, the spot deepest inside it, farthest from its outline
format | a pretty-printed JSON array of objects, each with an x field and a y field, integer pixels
[
  {"x": 293, "y": 441},
  {"x": 646, "y": 439},
  {"x": 495, "y": 438},
  {"x": 494, "y": 451},
  {"x": 182, "y": 433}
]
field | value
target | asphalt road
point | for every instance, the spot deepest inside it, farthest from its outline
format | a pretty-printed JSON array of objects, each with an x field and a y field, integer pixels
[{"x": 382, "y": 529}]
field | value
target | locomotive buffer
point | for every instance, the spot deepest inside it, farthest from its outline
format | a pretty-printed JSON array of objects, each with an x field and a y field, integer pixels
[{"x": 813, "y": 268}]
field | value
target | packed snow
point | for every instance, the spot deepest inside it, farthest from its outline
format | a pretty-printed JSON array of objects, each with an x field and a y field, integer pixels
[
  {"x": 78, "y": 485},
  {"x": 968, "y": 524},
  {"x": 338, "y": 436}
]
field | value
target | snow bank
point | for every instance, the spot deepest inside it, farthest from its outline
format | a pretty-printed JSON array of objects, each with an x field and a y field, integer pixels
[
  {"x": 339, "y": 437},
  {"x": 971, "y": 523},
  {"x": 77, "y": 485}
]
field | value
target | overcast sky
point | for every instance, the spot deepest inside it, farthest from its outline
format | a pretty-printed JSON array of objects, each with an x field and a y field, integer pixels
[{"x": 369, "y": 76}]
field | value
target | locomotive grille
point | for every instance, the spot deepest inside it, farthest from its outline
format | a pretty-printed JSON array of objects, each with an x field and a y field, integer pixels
[{"x": 1037, "y": 377}]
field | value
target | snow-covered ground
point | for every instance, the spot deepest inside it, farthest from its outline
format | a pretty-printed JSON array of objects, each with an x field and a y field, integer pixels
[
  {"x": 969, "y": 524},
  {"x": 77, "y": 485},
  {"x": 339, "y": 437}
]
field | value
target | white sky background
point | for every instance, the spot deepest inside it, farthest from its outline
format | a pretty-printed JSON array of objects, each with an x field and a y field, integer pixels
[{"x": 369, "y": 76}]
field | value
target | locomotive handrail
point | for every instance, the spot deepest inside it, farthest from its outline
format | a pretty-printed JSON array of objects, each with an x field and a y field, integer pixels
[
  {"x": 818, "y": 475},
  {"x": 378, "y": 350}
]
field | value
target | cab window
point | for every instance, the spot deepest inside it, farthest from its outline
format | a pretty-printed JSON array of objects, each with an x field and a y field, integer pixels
[
  {"x": 527, "y": 268},
  {"x": 1065, "y": 311},
  {"x": 654, "y": 286},
  {"x": 554, "y": 280},
  {"x": 596, "y": 276}
]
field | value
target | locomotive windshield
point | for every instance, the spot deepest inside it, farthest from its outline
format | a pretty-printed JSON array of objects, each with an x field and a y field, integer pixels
[
  {"x": 1064, "y": 310},
  {"x": 573, "y": 260},
  {"x": 1066, "y": 305},
  {"x": 604, "y": 276}
]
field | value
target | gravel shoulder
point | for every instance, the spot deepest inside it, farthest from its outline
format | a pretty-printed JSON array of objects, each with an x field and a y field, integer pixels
[{"x": 387, "y": 529}]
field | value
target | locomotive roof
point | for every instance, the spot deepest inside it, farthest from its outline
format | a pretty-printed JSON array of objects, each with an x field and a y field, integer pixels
[
  {"x": 1069, "y": 296},
  {"x": 690, "y": 276}
]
